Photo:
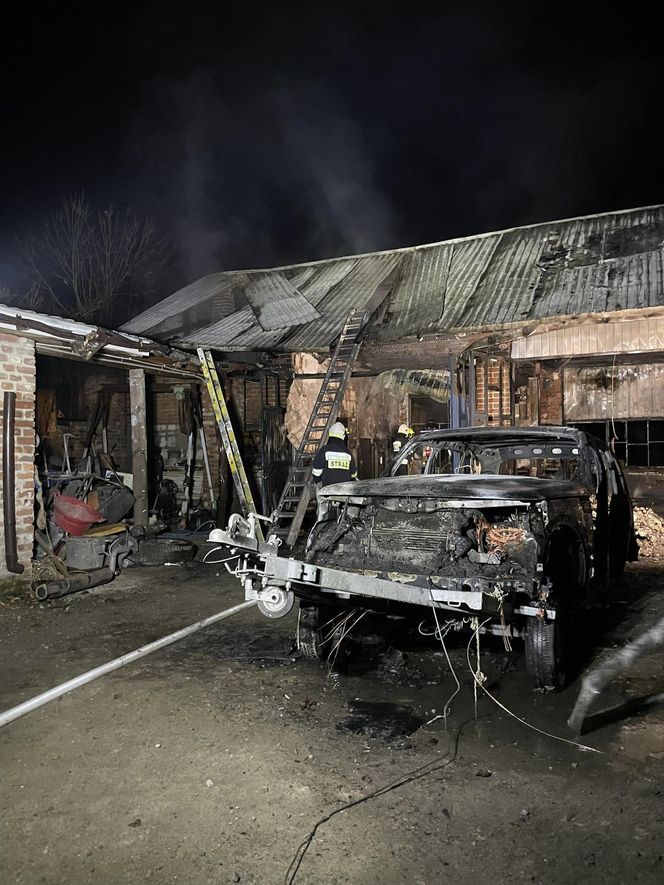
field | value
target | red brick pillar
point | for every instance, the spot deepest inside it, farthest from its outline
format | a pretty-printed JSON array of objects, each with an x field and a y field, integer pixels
[{"x": 17, "y": 373}]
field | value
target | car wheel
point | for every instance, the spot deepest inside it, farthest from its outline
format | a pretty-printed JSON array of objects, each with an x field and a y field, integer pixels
[
  {"x": 158, "y": 551},
  {"x": 315, "y": 630},
  {"x": 619, "y": 534},
  {"x": 546, "y": 654}
]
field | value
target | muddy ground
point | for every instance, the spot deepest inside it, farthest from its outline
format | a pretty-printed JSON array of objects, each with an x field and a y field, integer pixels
[{"x": 210, "y": 761}]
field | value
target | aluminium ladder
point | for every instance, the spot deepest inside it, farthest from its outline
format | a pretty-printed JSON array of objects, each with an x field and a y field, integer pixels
[
  {"x": 228, "y": 436},
  {"x": 290, "y": 512}
]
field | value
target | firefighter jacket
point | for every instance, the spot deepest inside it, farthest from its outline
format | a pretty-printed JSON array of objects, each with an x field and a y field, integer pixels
[
  {"x": 398, "y": 444},
  {"x": 334, "y": 463}
]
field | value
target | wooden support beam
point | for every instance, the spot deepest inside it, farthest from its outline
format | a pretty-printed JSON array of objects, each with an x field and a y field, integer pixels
[{"x": 139, "y": 445}]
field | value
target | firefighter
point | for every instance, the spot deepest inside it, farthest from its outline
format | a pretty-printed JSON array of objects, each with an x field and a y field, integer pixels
[
  {"x": 404, "y": 433},
  {"x": 333, "y": 463}
]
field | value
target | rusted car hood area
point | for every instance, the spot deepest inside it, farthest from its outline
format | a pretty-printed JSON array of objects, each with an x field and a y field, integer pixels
[{"x": 459, "y": 487}]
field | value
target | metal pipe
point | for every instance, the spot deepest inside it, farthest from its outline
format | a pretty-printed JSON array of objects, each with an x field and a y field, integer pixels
[
  {"x": 57, "y": 692},
  {"x": 8, "y": 480},
  {"x": 74, "y": 583}
]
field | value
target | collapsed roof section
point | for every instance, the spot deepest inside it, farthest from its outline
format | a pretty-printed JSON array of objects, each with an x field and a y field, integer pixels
[
  {"x": 594, "y": 264},
  {"x": 63, "y": 337}
]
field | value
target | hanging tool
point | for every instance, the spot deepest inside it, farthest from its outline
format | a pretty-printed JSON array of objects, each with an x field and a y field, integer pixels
[
  {"x": 187, "y": 425},
  {"x": 99, "y": 416},
  {"x": 198, "y": 415},
  {"x": 65, "y": 447},
  {"x": 228, "y": 436}
]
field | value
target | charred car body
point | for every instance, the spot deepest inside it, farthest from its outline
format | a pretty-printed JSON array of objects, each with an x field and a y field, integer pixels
[{"x": 514, "y": 527}]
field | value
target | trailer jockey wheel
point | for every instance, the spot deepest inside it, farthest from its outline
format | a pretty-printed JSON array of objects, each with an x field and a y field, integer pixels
[{"x": 275, "y": 602}]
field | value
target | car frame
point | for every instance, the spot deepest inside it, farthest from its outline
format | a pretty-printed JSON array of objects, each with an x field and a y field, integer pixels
[
  {"x": 565, "y": 537},
  {"x": 512, "y": 555}
]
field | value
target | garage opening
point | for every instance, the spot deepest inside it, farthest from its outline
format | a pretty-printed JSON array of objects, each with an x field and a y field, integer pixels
[{"x": 427, "y": 413}]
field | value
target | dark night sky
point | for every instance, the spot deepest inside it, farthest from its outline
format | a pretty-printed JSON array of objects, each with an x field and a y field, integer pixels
[{"x": 277, "y": 133}]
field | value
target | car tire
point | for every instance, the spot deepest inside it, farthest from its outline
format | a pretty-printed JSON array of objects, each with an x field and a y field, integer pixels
[
  {"x": 546, "y": 655},
  {"x": 314, "y": 634},
  {"x": 159, "y": 551},
  {"x": 619, "y": 537}
]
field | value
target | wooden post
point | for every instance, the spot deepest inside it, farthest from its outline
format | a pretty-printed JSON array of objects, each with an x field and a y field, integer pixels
[{"x": 139, "y": 445}]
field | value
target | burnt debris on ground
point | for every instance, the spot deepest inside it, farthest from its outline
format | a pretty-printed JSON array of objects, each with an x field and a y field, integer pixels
[{"x": 649, "y": 529}]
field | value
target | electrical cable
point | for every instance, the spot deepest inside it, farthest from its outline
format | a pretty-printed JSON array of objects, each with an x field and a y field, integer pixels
[
  {"x": 335, "y": 650},
  {"x": 478, "y": 682},
  {"x": 424, "y": 770},
  {"x": 613, "y": 423},
  {"x": 440, "y": 635},
  {"x": 414, "y": 774},
  {"x": 218, "y": 561}
]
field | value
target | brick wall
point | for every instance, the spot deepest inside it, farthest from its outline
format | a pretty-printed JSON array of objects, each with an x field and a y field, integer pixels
[
  {"x": 17, "y": 373},
  {"x": 550, "y": 396},
  {"x": 488, "y": 399}
]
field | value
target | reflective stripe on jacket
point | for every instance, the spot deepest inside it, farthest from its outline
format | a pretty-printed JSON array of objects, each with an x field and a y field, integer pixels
[{"x": 334, "y": 463}]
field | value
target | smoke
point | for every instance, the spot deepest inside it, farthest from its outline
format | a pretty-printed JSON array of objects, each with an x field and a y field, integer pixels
[
  {"x": 371, "y": 134},
  {"x": 256, "y": 180},
  {"x": 172, "y": 143},
  {"x": 348, "y": 211}
]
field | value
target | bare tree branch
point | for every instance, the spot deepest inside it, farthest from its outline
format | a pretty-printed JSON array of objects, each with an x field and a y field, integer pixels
[{"x": 90, "y": 266}]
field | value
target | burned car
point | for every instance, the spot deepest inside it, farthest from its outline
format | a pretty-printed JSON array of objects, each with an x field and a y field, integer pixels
[
  {"x": 509, "y": 529},
  {"x": 532, "y": 519}
]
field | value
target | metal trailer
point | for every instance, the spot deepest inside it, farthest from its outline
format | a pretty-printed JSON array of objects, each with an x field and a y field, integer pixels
[{"x": 273, "y": 581}]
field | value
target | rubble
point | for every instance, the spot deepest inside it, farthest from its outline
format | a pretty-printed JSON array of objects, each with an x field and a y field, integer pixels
[{"x": 649, "y": 528}]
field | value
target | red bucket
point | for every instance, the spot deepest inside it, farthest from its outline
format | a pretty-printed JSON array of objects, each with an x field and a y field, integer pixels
[{"x": 74, "y": 516}]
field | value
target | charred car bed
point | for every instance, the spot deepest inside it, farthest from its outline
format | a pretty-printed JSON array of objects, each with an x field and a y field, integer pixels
[{"x": 514, "y": 527}]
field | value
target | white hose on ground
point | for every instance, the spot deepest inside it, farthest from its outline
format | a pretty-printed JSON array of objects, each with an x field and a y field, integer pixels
[{"x": 57, "y": 692}]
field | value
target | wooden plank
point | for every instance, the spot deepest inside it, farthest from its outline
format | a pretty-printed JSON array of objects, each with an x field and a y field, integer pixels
[{"x": 139, "y": 445}]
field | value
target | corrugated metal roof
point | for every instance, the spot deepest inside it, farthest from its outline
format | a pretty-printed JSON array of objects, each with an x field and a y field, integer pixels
[
  {"x": 353, "y": 291},
  {"x": 202, "y": 302},
  {"x": 63, "y": 337},
  {"x": 18, "y": 321},
  {"x": 225, "y": 330},
  {"x": 326, "y": 277},
  {"x": 418, "y": 298},
  {"x": 593, "y": 264},
  {"x": 277, "y": 303}
]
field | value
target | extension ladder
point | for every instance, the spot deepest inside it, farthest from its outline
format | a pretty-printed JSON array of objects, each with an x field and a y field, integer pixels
[
  {"x": 228, "y": 436},
  {"x": 290, "y": 512}
]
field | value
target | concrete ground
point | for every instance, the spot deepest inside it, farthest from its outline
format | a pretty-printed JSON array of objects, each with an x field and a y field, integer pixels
[{"x": 211, "y": 761}]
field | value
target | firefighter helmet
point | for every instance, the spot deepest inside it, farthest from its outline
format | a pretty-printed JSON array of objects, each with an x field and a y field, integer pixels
[
  {"x": 338, "y": 430},
  {"x": 406, "y": 430}
]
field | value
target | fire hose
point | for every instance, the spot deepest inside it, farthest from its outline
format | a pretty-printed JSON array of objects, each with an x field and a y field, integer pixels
[{"x": 65, "y": 687}]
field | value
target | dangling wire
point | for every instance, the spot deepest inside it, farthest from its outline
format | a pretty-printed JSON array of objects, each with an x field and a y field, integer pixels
[
  {"x": 441, "y": 636},
  {"x": 334, "y": 651},
  {"x": 476, "y": 626}
]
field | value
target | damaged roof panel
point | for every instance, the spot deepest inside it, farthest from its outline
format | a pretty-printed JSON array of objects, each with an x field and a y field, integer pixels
[
  {"x": 354, "y": 291},
  {"x": 203, "y": 302},
  {"x": 277, "y": 303},
  {"x": 469, "y": 261},
  {"x": 323, "y": 278},
  {"x": 593, "y": 264},
  {"x": 223, "y": 333},
  {"x": 508, "y": 281},
  {"x": 254, "y": 338},
  {"x": 418, "y": 298}
]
